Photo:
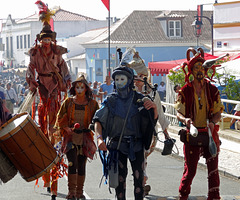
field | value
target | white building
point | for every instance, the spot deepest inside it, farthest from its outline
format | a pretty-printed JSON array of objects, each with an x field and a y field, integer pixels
[
  {"x": 226, "y": 27},
  {"x": 18, "y": 36}
]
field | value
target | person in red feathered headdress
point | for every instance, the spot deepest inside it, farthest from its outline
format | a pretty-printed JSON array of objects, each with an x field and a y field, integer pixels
[
  {"x": 48, "y": 72},
  {"x": 199, "y": 107}
]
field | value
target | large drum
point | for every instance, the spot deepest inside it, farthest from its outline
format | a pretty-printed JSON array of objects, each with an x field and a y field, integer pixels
[{"x": 27, "y": 147}]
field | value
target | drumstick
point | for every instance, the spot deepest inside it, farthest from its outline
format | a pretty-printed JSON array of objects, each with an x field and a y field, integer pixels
[
  {"x": 25, "y": 106},
  {"x": 212, "y": 145},
  {"x": 20, "y": 109}
]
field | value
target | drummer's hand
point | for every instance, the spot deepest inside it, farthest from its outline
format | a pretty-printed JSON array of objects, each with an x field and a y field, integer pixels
[
  {"x": 101, "y": 144},
  {"x": 68, "y": 130},
  {"x": 33, "y": 86}
]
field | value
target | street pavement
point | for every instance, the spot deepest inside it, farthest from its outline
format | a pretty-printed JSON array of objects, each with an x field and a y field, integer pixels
[
  {"x": 229, "y": 162},
  {"x": 229, "y": 166}
]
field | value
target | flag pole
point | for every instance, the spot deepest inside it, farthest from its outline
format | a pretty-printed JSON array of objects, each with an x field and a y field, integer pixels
[{"x": 109, "y": 55}]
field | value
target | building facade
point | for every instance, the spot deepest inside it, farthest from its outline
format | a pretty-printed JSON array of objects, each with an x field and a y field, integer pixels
[
  {"x": 227, "y": 27},
  {"x": 18, "y": 36},
  {"x": 156, "y": 35}
]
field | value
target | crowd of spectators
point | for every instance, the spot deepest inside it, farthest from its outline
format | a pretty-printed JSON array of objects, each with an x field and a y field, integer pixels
[{"x": 13, "y": 91}]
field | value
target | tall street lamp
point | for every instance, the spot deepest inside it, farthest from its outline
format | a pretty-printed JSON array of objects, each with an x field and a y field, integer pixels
[
  {"x": 197, "y": 25},
  {"x": 197, "y": 28}
]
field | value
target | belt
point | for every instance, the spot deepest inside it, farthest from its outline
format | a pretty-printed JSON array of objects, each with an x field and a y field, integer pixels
[
  {"x": 46, "y": 75},
  {"x": 201, "y": 129},
  {"x": 126, "y": 139},
  {"x": 78, "y": 131}
]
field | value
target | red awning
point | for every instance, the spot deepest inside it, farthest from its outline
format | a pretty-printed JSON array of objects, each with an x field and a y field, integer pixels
[
  {"x": 232, "y": 55},
  {"x": 165, "y": 66}
]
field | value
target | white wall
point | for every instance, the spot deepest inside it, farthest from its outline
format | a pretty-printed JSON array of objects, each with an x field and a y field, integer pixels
[
  {"x": 227, "y": 26},
  {"x": 70, "y": 29},
  {"x": 32, "y": 28},
  {"x": 226, "y": 13}
]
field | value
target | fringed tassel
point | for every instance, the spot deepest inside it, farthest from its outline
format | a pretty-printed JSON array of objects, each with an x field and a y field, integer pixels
[{"x": 33, "y": 109}]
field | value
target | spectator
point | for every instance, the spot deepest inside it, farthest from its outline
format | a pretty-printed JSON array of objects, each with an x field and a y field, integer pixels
[
  {"x": 95, "y": 91},
  {"x": 100, "y": 96},
  {"x": 177, "y": 88},
  {"x": 14, "y": 86},
  {"x": 19, "y": 89},
  {"x": 2, "y": 96},
  {"x": 106, "y": 88},
  {"x": 162, "y": 91},
  {"x": 23, "y": 92},
  {"x": 2, "y": 86},
  {"x": 237, "y": 113},
  {"x": 5, "y": 114},
  {"x": 90, "y": 84},
  {"x": 11, "y": 97}
]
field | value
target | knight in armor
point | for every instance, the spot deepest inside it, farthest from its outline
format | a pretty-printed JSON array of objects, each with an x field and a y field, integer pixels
[{"x": 126, "y": 117}]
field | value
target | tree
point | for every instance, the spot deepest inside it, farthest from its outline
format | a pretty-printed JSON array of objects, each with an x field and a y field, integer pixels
[{"x": 231, "y": 87}]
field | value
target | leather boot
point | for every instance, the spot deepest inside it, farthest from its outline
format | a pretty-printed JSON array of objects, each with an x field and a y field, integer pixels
[
  {"x": 147, "y": 189},
  {"x": 80, "y": 184},
  {"x": 72, "y": 186}
]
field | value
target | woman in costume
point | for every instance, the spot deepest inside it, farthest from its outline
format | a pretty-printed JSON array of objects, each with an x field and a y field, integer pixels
[{"x": 73, "y": 120}]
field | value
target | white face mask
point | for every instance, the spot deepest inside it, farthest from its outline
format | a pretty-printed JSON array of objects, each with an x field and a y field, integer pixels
[
  {"x": 120, "y": 80},
  {"x": 80, "y": 89}
]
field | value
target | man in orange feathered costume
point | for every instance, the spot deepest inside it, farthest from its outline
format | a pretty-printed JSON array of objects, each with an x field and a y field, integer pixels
[
  {"x": 53, "y": 77},
  {"x": 199, "y": 101}
]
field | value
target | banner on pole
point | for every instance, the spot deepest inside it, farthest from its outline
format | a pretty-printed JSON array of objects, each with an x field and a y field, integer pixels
[{"x": 199, "y": 18}]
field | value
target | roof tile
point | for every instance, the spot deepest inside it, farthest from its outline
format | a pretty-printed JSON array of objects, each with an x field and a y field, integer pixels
[{"x": 145, "y": 26}]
